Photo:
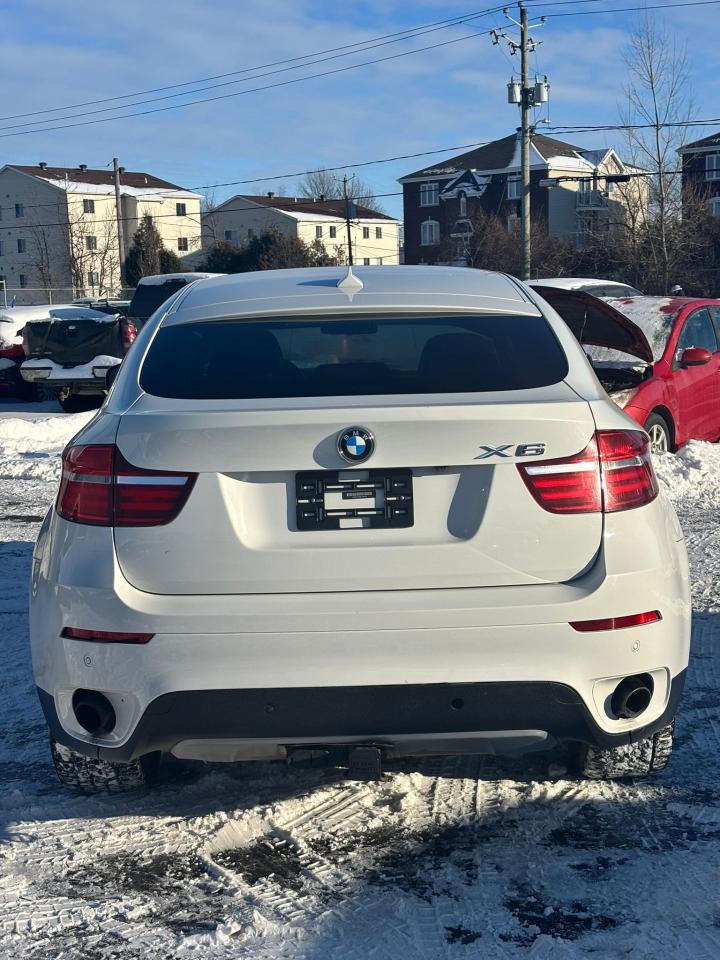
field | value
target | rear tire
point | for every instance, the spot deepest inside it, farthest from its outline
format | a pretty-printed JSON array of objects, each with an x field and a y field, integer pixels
[
  {"x": 630, "y": 760},
  {"x": 91, "y": 776},
  {"x": 660, "y": 434}
]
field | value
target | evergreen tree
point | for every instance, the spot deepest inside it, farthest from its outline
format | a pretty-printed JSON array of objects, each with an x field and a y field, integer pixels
[
  {"x": 143, "y": 259},
  {"x": 170, "y": 262}
]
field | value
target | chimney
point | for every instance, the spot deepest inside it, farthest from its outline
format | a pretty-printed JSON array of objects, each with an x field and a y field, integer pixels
[
  {"x": 42, "y": 165},
  {"x": 82, "y": 166}
]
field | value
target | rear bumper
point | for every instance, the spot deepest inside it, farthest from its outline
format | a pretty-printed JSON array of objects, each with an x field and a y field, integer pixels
[{"x": 399, "y": 716}]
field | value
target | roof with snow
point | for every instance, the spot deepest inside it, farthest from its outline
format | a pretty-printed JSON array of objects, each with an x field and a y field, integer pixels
[
  {"x": 498, "y": 155},
  {"x": 706, "y": 143},
  {"x": 132, "y": 182},
  {"x": 307, "y": 208}
]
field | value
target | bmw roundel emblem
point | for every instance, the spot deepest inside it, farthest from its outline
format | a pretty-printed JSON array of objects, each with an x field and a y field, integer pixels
[{"x": 355, "y": 444}]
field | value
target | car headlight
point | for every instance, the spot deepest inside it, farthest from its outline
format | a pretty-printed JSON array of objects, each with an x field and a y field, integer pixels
[{"x": 623, "y": 397}]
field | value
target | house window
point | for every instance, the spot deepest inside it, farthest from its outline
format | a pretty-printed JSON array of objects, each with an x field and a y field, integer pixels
[
  {"x": 379, "y": 261},
  {"x": 513, "y": 188},
  {"x": 429, "y": 233},
  {"x": 366, "y": 233},
  {"x": 378, "y": 233},
  {"x": 429, "y": 194},
  {"x": 181, "y": 209},
  {"x": 333, "y": 233},
  {"x": 462, "y": 202},
  {"x": 712, "y": 166},
  {"x": 22, "y": 246},
  {"x": 93, "y": 279},
  {"x": 229, "y": 236},
  {"x": 23, "y": 280},
  {"x": 1, "y": 248},
  {"x": 88, "y": 206},
  {"x": 366, "y": 261},
  {"x": 183, "y": 244},
  {"x": 91, "y": 243},
  {"x": 713, "y": 203},
  {"x": 251, "y": 233},
  {"x": 19, "y": 210},
  {"x": 318, "y": 232}
]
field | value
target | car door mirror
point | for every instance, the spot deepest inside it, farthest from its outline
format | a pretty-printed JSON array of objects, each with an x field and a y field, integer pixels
[{"x": 695, "y": 357}]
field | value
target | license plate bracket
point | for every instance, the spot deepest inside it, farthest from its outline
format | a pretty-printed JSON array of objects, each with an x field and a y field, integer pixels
[{"x": 354, "y": 499}]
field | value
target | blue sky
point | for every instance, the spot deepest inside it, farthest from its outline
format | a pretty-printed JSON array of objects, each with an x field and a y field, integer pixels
[{"x": 55, "y": 54}]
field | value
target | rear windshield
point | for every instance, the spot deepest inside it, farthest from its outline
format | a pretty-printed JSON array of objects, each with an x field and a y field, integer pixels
[
  {"x": 149, "y": 296},
  {"x": 326, "y": 357}
]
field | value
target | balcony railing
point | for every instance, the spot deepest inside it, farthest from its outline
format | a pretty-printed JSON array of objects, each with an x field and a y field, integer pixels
[{"x": 592, "y": 199}]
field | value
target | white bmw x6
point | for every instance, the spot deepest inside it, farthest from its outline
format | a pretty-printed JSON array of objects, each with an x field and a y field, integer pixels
[{"x": 380, "y": 514}]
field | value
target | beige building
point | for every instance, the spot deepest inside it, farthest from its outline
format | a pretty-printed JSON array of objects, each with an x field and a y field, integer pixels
[
  {"x": 59, "y": 229},
  {"x": 374, "y": 236}
]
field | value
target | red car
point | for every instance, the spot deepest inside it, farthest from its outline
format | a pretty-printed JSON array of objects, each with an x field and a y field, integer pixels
[{"x": 657, "y": 357}]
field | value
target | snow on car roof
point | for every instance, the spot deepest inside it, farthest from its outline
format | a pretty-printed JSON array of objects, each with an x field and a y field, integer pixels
[
  {"x": 577, "y": 283},
  {"x": 654, "y": 315},
  {"x": 164, "y": 277}
]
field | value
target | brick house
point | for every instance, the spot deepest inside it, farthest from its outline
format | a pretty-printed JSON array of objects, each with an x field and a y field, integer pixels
[
  {"x": 701, "y": 170},
  {"x": 440, "y": 201}
]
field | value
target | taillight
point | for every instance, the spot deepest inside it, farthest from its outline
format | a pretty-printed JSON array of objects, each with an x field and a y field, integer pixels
[
  {"x": 100, "y": 487},
  {"x": 568, "y": 485},
  {"x": 617, "y": 623},
  {"x": 614, "y": 472},
  {"x": 105, "y": 636},
  {"x": 627, "y": 471},
  {"x": 129, "y": 332}
]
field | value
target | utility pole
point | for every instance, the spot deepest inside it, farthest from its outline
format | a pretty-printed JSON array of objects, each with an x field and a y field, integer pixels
[
  {"x": 527, "y": 95},
  {"x": 526, "y": 132},
  {"x": 120, "y": 225},
  {"x": 347, "y": 220}
]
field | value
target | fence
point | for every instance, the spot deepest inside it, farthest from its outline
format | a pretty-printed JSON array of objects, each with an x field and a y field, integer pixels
[{"x": 31, "y": 296}]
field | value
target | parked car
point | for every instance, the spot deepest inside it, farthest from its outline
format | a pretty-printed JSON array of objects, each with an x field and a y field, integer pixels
[
  {"x": 598, "y": 288},
  {"x": 12, "y": 354},
  {"x": 378, "y": 514},
  {"x": 104, "y": 304},
  {"x": 666, "y": 376},
  {"x": 72, "y": 348}
]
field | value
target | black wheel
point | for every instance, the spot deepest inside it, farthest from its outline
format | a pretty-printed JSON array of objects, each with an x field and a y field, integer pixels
[
  {"x": 660, "y": 434},
  {"x": 42, "y": 392},
  {"x": 631, "y": 760},
  {"x": 79, "y": 402},
  {"x": 89, "y": 775}
]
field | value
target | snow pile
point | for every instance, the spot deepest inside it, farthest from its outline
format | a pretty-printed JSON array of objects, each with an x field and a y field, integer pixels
[
  {"x": 693, "y": 473},
  {"x": 30, "y": 449}
]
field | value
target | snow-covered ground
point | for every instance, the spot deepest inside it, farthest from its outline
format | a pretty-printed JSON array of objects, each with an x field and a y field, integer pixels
[{"x": 452, "y": 858}]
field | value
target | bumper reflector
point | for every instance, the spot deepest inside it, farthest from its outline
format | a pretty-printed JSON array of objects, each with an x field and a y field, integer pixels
[
  {"x": 105, "y": 636},
  {"x": 617, "y": 623}
]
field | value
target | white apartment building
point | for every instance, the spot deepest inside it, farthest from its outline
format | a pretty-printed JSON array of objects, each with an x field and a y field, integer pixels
[
  {"x": 374, "y": 236},
  {"x": 59, "y": 229}
]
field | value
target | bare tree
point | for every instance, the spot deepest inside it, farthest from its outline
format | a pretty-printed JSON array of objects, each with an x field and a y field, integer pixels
[
  {"x": 657, "y": 103},
  {"x": 329, "y": 184}
]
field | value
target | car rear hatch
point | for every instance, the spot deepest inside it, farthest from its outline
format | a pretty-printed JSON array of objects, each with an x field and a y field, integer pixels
[
  {"x": 275, "y": 508},
  {"x": 70, "y": 337},
  {"x": 596, "y": 323}
]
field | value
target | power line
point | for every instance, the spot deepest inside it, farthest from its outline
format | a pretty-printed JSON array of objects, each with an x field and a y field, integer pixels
[
  {"x": 658, "y": 6},
  {"x": 241, "y": 93},
  {"x": 406, "y": 156},
  {"x": 407, "y": 34},
  {"x": 256, "y": 76}
]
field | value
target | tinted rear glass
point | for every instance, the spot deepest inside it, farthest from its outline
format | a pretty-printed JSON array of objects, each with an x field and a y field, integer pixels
[
  {"x": 326, "y": 357},
  {"x": 149, "y": 296}
]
